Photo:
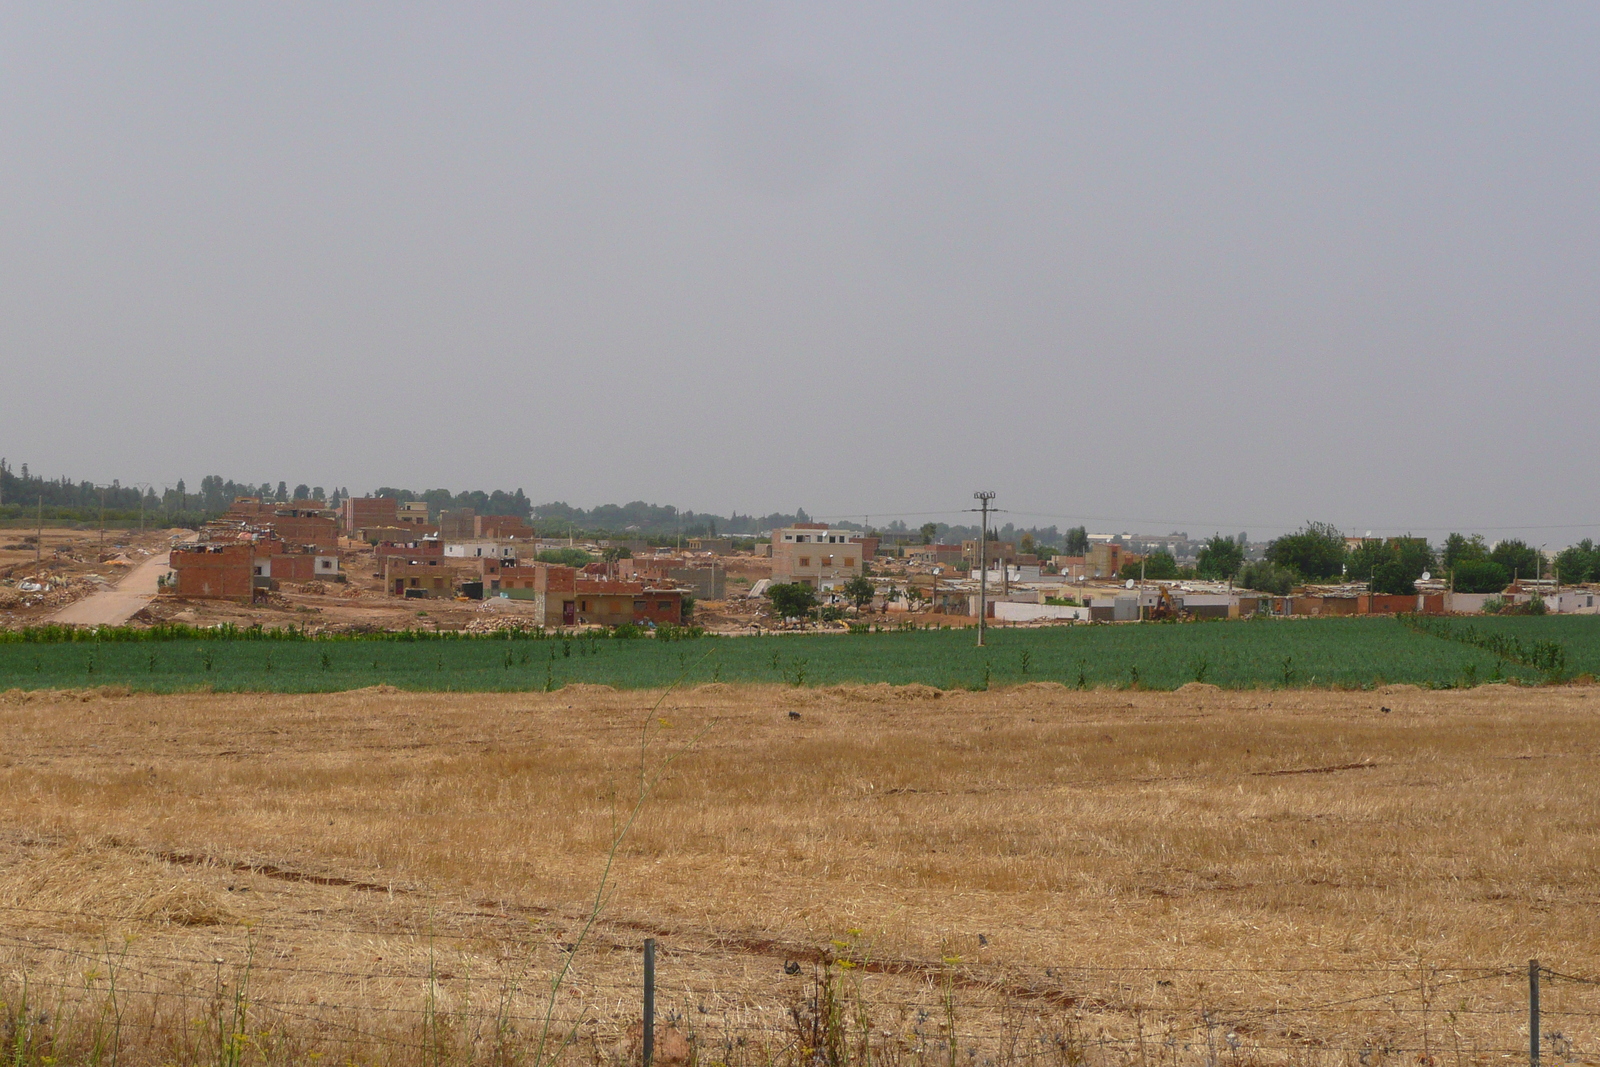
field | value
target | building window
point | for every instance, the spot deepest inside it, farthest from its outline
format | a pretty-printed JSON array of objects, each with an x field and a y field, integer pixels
[
  {"x": 805, "y": 561},
  {"x": 849, "y": 561},
  {"x": 666, "y": 605}
]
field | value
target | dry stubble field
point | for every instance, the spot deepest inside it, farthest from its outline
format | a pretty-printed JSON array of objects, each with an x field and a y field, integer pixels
[{"x": 1051, "y": 876}]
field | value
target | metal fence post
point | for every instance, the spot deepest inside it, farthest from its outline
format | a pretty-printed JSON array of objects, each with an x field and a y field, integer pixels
[
  {"x": 1533, "y": 1013},
  {"x": 649, "y": 1000}
]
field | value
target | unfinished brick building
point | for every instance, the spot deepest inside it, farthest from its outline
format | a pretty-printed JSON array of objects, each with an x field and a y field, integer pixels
[
  {"x": 502, "y": 528},
  {"x": 361, "y": 512},
  {"x": 213, "y": 571}
]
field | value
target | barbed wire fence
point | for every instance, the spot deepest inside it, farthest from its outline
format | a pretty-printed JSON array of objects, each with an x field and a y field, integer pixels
[{"x": 133, "y": 1001}]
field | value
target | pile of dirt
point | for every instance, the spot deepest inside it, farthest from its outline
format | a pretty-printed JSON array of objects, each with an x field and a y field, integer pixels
[{"x": 883, "y": 692}]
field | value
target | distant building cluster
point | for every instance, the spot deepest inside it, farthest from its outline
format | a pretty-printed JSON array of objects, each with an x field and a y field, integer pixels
[
  {"x": 247, "y": 552},
  {"x": 409, "y": 553}
]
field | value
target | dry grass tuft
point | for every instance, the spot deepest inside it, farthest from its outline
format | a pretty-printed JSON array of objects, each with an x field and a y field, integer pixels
[{"x": 86, "y": 886}]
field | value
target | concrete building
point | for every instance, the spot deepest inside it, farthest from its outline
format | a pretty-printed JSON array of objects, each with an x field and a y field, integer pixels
[
  {"x": 1103, "y": 560},
  {"x": 418, "y": 578},
  {"x": 413, "y": 513},
  {"x": 814, "y": 555},
  {"x": 479, "y": 550}
]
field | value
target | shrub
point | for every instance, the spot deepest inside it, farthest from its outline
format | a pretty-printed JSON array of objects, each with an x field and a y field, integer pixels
[
  {"x": 1266, "y": 577},
  {"x": 565, "y": 557}
]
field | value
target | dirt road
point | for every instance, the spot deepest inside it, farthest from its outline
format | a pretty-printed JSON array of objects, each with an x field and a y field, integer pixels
[{"x": 116, "y": 605}]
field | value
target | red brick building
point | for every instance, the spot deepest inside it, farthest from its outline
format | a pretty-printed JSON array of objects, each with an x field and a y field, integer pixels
[
  {"x": 563, "y": 597},
  {"x": 419, "y": 550},
  {"x": 213, "y": 571},
  {"x": 360, "y": 512}
]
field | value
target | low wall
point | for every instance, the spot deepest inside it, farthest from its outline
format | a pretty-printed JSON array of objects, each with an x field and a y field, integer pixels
[{"x": 1008, "y": 611}]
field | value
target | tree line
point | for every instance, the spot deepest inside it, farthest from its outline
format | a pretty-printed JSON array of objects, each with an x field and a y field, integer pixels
[{"x": 1390, "y": 565}]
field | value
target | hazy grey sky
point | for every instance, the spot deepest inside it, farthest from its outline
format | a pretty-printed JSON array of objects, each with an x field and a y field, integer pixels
[{"x": 1208, "y": 265}]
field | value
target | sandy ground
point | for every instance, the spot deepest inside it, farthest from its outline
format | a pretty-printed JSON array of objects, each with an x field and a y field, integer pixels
[
  {"x": 1117, "y": 876},
  {"x": 115, "y": 605},
  {"x": 73, "y": 564}
]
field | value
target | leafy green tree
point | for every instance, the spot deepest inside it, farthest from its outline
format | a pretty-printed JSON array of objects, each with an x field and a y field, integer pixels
[
  {"x": 1391, "y": 578},
  {"x": 1026, "y": 545},
  {"x": 793, "y": 600},
  {"x": 1459, "y": 549},
  {"x": 1414, "y": 554},
  {"x": 302, "y": 492},
  {"x": 565, "y": 557},
  {"x": 1480, "y": 576},
  {"x": 1158, "y": 565},
  {"x": 1577, "y": 563},
  {"x": 1517, "y": 557},
  {"x": 612, "y": 553},
  {"x": 1367, "y": 557},
  {"x": 860, "y": 591},
  {"x": 1317, "y": 551},
  {"x": 1265, "y": 576},
  {"x": 1220, "y": 559},
  {"x": 1392, "y": 565},
  {"x": 1077, "y": 541},
  {"x": 929, "y": 531}
]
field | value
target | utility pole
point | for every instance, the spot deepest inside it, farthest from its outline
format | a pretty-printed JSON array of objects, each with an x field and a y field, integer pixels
[
  {"x": 102, "y": 517},
  {"x": 983, "y": 497},
  {"x": 38, "y": 542}
]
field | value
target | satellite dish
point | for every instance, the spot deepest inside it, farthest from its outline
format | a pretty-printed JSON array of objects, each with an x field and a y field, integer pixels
[
  {"x": 1128, "y": 584},
  {"x": 1426, "y": 576}
]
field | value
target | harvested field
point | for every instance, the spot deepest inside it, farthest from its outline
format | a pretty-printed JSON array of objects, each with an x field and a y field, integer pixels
[{"x": 1050, "y": 876}]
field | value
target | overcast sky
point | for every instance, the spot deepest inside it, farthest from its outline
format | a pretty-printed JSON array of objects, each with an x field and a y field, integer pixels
[{"x": 1190, "y": 266}]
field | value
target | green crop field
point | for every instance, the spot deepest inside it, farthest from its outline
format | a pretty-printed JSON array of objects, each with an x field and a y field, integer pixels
[{"x": 1350, "y": 653}]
